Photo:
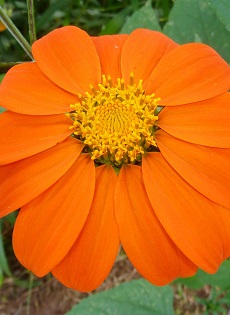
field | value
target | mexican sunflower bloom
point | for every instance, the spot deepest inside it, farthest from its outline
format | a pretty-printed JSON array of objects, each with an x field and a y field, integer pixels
[{"x": 117, "y": 140}]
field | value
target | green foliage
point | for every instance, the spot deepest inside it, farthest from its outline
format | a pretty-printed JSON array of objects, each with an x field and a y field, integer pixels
[
  {"x": 1, "y": 77},
  {"x": 145, "y": 17},
  {"x": 220, "y": 279},
  {"x": 140, "y": 297},
  {"x": 115, "y": 24},
  {"x": 193, "y": 20},
  {"x": 219, "y": 298},
  {"x": 4, "y": 267},
  {"x": 215, "y": 304},
  {"x": 135, "y": 297},
  {"x": 222, "y": 10}
]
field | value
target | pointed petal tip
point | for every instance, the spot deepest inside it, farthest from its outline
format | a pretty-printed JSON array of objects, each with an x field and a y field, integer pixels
[
  {"x": 47, "y": 227},
  {"x": 188, "y": 217},
  {"x": 92, "y": 256}
]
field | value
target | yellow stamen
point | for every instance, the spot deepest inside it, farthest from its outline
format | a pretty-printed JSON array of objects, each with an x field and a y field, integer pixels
[{"x": 116, "y": 122}]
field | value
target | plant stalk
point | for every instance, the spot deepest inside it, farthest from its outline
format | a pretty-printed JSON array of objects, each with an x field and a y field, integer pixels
[
  {"x": 31, "y": 21},
  {"x": 15, "y": 32}
]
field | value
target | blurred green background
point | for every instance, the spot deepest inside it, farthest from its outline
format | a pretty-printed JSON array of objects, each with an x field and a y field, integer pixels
[
  {"x": 206, "y": 21},
  {"x": 94, "y": 16}
]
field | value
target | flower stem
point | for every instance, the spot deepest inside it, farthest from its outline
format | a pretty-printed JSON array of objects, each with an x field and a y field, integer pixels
[
  {"x": 15, "y": 32},
  {"x": 31, "y": 21}
]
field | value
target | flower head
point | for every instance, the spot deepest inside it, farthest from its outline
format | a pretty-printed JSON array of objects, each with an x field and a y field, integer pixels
[{"x": 117, "y": 139}]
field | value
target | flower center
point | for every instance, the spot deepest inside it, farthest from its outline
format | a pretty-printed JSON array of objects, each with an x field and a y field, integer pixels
[{"x": 116, "y": 121}]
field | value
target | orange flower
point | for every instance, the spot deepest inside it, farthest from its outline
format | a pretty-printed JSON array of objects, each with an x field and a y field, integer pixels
[{"x": 117, "y": 139}]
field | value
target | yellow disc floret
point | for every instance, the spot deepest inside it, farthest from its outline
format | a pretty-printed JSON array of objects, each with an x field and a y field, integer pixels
[{"x": 115, "y": 121}]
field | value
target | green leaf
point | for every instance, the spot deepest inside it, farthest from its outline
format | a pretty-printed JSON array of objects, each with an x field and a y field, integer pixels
[
  {"x": 219, "y": 279},
  {"x": 1, "y": 77},
  {"x": 115, "y": 24},
  {"x": 145, "y": 17},
  {"x": 222, "y": 10},
  {"x": 190, "y": 20},
  {"x": 135, "y": 297},
  {"x": 11, "y": 217},
  {"x": 47, "y": 16},
  {"x": 4, "y": 268}
]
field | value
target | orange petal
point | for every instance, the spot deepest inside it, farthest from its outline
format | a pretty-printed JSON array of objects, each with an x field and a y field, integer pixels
[
  {"x": 109, "y": 51},
  {"x": 26, "y": 90},
  {"x": 199, "y": 227},
  {"x": 190, "y": 73},
  {"x": 206, "y": 123},
  {"x": 142, "y": 51},
  {"x": 47, "y": 227},
  {"x": 22, "y": 181},
  {"x": 68, "y": 57},
  {"x": 225, "y": 218},
  {"x": 92, "y": 256},
  {"x": 25, "y": 135},
  {"x": 145, "y": 241},
  {"x": 205, "y": 169}
]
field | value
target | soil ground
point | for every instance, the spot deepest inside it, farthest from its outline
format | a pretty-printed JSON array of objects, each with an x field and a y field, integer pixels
[{"x": 49, "y": 297}]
